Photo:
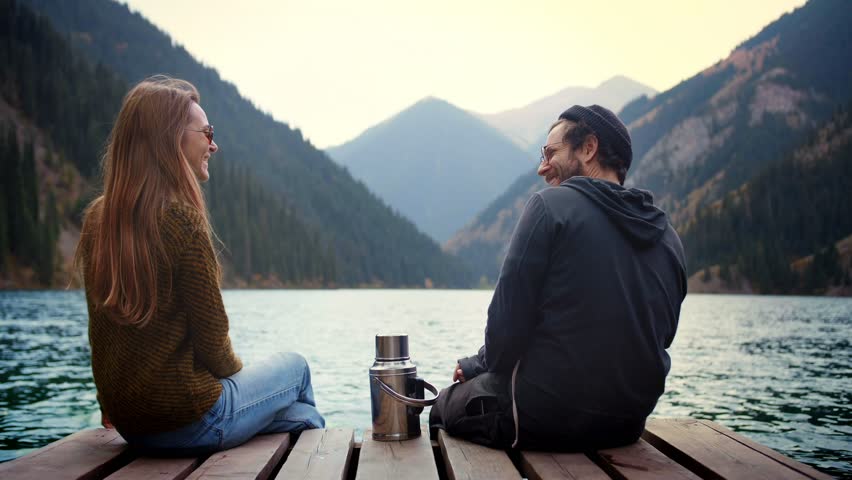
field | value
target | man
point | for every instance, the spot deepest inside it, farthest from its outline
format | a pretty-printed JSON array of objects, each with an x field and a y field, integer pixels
[{"x": 586, "y": 304}]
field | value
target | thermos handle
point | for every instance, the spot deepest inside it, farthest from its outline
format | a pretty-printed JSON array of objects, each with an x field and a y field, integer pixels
[{"x": 411, "y": 402}]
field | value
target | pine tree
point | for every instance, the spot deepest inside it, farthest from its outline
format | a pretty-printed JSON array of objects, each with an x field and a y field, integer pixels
[
  {"x": 5, "y": 189},
  {"x": 51, "y": 216},
  {"x": 46, "y": 262},
  {"x": 824, "y": 270},
  {"x": 725, "y": 273},
  {"x": 46, "y": 256},
  {"x": 14, "y": 194},
  {"x": 4, "y": 233},
  {"x": 28, "y": 247}
]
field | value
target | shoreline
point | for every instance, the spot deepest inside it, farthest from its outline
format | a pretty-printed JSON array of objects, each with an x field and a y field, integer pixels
[{"x": 836, "y": 292}]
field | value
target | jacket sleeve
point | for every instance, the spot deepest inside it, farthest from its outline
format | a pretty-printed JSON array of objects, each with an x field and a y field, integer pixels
[
  {"x": 198, "y": 282},
  {"x": 473, "y": 365},
  {"x": 513, "y": 313}
]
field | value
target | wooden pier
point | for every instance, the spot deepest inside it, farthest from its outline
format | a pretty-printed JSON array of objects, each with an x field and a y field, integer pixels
[{"x": 669, "y": 449}]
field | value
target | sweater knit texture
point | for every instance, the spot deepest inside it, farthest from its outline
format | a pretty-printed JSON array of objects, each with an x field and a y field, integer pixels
[{"x": 164, "y": 375}]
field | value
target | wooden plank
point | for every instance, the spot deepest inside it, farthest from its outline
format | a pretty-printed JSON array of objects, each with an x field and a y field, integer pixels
[
  {"x": 252, "y": 460},
  {"x": 798, "y": 466},
  {"x": 396, "y": 460},
  {"x": 82, "y": 455},
  {"x": 555, "y": 466},
  {"x": 469, "y": 461},
  {"x": 710, "y": 453},
  {"x": 320, "y": 454},
  {"x": 641, "y": 461},
  {"x": 157, "y": 468}
]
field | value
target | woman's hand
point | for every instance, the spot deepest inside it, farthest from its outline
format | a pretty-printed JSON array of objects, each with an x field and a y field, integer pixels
[
  {"x": 105, "y": 420},
  {"x": 458, "y": 374}
]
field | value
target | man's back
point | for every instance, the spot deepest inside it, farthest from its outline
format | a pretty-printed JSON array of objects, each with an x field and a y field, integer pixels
[
  {"x": 587, "y": 302},
  {"x": 607, "y": 309}
]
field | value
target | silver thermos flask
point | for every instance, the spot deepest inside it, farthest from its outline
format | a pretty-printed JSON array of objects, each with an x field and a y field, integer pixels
[{"x": 396, "y": 392}]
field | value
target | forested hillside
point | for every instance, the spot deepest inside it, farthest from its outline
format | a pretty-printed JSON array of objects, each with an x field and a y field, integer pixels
[
  {"x": 56, "y": 112},
  {"x": 296, "y": 218},
  {"x": 715, "y": 131},
  {"x": 711, "y": 133},
  {"x": 794, "y": 209}
]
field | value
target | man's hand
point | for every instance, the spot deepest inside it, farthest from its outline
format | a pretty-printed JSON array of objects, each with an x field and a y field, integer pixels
[
  {"x": 458, "y": 374},
  {"x": 105, "y": 420}
]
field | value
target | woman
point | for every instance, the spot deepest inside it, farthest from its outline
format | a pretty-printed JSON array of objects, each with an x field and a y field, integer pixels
[{"x": 165, "y": 372}]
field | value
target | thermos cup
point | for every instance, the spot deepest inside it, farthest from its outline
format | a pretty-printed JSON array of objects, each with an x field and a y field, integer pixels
[{"x": 397, "y": 394}]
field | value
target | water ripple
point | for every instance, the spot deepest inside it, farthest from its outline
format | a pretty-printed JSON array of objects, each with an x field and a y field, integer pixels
[{"x": 777, "y": 369}]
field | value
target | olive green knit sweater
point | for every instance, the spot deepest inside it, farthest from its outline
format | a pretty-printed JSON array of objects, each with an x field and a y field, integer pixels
[{"x": 165, "y": 375}]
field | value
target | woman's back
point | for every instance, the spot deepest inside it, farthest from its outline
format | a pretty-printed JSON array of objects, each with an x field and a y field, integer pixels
[{"x": 165, "y": 375}]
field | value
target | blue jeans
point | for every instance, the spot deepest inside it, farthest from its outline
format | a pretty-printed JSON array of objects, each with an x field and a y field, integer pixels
[{"x": 268, "y": 397}]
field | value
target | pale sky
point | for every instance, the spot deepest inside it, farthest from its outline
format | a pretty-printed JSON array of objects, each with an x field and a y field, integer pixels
[{"x": 333, "y": 69}]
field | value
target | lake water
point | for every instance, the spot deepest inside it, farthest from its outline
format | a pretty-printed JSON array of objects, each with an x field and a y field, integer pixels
[{"x": 777, "y": 369}]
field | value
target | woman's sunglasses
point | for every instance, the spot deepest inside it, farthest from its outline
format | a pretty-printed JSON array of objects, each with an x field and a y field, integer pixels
[{"x": 208, "y": 132}]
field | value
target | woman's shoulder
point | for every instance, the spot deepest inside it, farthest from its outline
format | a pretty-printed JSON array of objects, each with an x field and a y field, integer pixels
[
  {"x": 90, "y": 225},
  {"x": 183, "y": 219}
]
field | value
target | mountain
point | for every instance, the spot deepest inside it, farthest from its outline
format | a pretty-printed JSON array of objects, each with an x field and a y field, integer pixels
[
  {"x": 55, "y": 113},
  {"x": 369, "y": 242},
  {"x": 527, "y": 125},
  {"x": 714, "y": 132},
  {"x": 435, "y": 163},
  {"x": 53, "y": 108},
  {"x": 482, "y": 243},
  {"x": 788, "y": 229}
]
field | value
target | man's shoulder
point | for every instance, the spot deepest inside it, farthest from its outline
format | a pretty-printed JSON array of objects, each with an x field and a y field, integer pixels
[
  {"x": 557, "y": 190},
  {"x": 672, "y": 240},
  {"x": 559, "y": 197}
]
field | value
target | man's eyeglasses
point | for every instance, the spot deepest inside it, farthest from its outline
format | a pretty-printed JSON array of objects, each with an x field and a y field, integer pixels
[
  {"x": 544, "y": 153},
  {"x": 208, "y": 132}
]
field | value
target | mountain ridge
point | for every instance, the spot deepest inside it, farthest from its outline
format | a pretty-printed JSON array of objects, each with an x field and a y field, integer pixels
[
  {"x": 526, "y": 125},
  {"x": 371, "y": 243},
  {"x": 787, "y": 230},
  {"x": 714, "y": 131},
  {"x": 49, "y": 143},
  {"x": 433, "y": 162}
]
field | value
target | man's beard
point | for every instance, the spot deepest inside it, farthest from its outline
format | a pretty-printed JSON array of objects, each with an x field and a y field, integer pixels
[{"x": 574, "y": 168}]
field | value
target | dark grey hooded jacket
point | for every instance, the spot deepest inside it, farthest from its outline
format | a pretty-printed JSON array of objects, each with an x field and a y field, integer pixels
[{"x": 586, "y": 305}]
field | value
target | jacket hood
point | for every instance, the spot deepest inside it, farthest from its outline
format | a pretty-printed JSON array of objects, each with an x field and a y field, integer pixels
[{"x": 632, "y": 209}]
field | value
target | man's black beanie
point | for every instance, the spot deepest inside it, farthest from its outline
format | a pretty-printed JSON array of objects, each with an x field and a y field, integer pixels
[{"x": 606, "y": 126}]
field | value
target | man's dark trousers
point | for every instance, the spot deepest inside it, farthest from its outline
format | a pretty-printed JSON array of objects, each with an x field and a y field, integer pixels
[{"x": 479, "y": 410}]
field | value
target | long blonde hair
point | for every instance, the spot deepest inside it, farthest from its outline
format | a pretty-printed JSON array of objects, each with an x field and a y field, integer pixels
[{"x": 144, "y": 169}]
